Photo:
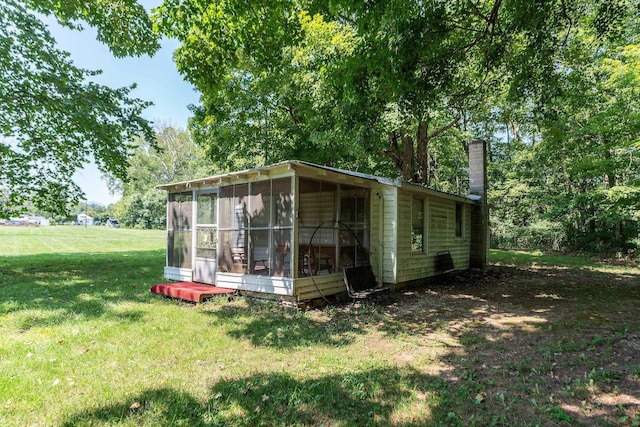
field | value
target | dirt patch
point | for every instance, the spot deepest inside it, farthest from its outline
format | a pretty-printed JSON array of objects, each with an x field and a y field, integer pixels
[{"x": 540, "y": 345}]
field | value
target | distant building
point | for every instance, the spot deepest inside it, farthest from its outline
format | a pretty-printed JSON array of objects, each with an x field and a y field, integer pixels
[
  {"x": 37, "y": 220},
  {"x": 28, "y": 220},
  {"x": 84, "y": 219}
]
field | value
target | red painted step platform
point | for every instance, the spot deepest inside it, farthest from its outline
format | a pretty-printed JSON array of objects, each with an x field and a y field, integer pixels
[{"x": 189, "y": 291}]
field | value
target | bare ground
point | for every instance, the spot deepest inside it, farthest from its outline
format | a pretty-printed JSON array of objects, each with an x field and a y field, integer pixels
[{"x": 527, "y": 346}]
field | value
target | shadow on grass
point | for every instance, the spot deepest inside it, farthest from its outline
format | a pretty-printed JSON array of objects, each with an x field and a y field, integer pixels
[
  {"x": 157, "y": 407},
  {"x": 269, "y": 325},
  {"x": 502, "y": 348},
  {"x": 54, "y": 288},
  {"x": 390, "y": 396},
  {"x": 556, "y": 259}
]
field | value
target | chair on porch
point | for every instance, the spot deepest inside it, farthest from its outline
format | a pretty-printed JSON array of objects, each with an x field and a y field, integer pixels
[
  {"x": 239, "y": 259},
  {"x": 310, "y": 263}
]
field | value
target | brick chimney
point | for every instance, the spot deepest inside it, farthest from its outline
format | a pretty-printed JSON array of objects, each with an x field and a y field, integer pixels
[{"x": 480, "y": 211}]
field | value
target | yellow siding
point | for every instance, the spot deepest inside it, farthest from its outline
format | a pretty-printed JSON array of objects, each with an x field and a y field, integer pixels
[
  {"x": 315, "y": 208},
  {"x": 439, "y": 234},
  {"x": 375, "y": 238},
  {"x": 318, "y": 286},
  {"x": 390, "y": 214}
]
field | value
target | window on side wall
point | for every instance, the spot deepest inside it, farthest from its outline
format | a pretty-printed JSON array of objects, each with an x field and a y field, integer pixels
[
  {"x": 417, "y": 226},
  {"x": 459, "y": 222}
]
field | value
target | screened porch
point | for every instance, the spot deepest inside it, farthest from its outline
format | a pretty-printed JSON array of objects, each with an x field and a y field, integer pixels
[{"x": 277, "y": 228}]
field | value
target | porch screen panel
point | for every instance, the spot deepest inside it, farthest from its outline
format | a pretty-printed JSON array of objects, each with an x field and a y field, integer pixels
[
  {"x": 179, "y": 229},
  {"x": 233, "y": 224},
  {"x": 226, "y": 207},
  {"x": 256, "y": 225},
  {"x": 282, "y": 226},
  {"x": 281, "y": 264},
  {"x": 206, "y": 230},
  {"x": 259, "y": 227},
  {"x": 282, "y": 202},
  {"x": 259, "y": 253},
  {"x": 354, "y": 213},
  {"x": 260, "y": 204},
  {"x": 317, "y": 206},
  {"x": 207, "y": 208}
]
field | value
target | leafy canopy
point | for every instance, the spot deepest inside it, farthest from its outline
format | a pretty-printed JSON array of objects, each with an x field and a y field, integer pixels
[
  {"x": 53, "y": 119},
  {"x": 398, "y": 87}
]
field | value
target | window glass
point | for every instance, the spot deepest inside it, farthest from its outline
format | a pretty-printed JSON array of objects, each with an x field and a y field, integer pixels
[{"x": 417, "y": 225}]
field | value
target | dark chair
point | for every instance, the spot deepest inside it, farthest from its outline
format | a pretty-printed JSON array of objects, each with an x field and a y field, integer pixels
[
  {"x": 361, "y": 283},
  {"x": 444, "y": 262}
]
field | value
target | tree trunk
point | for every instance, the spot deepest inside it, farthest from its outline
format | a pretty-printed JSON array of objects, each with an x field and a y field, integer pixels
[
  {"x": 612, "y": 181},
  {"x": 408, "y": 158},
  {"x": 423, "y": 145}
]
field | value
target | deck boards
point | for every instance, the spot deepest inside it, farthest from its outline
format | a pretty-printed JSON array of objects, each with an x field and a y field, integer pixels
[{"x": 189, "y": 291}]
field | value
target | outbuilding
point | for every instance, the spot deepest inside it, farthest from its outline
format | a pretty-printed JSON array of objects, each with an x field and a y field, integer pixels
[{"x": 289, "y": 229}]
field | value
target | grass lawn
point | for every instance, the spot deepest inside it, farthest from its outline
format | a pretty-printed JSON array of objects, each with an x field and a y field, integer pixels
[{"x": 536, "y": 340}]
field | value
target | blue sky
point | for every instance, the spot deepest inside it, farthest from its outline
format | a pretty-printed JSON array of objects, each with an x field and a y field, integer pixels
[{"x": 157, "y": 78}]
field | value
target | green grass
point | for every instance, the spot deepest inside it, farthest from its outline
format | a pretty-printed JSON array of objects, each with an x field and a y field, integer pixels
[
  {"x": 83, "y": 342},
  {"x": 556, "y": 259}
]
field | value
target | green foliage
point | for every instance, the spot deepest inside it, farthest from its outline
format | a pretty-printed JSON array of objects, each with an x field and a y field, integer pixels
[
  {"x": 352, "y": 92},
  {"x": 399, "y": 88},
  {"x": 577, "y": 168},
  {"x": 559, "y": 414},
  {"x": 172, "y": 157},
  {"x": 52, "y": 117},
  {"x": 122, "y": 25},
  {"x": 146, "y": 210},
  {"x": 541, "y": 235}
]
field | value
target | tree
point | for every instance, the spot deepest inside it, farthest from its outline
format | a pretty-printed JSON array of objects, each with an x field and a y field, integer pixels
[
  {"x": 146, "y": 210},
  {"x": 578, "y": 184},
  {"x": 173, "y": 157},
  {"x": 397, "y": 88},
  {"x": 367, "y": 85},
  {"x": 52, "y": 117}
]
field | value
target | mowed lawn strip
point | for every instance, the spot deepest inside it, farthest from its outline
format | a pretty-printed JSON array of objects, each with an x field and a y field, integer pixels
[{"x": 83, "y": 342}]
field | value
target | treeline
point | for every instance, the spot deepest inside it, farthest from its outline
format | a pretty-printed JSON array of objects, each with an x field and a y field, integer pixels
[
  {"x": 539, "y": 199},
  {"x": 400, "y": 88},
  {"x": 173, "y": 156},
  {"x": 392, "y": 88}
]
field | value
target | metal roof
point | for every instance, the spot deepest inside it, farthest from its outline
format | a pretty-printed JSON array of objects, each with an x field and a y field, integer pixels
[{"x": 388, "y": 181}]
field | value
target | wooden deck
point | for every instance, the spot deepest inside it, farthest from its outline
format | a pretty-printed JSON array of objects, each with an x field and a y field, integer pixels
[{"x": 189, "y": 291}]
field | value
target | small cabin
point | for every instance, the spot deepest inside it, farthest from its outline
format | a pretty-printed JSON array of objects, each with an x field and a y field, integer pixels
[{"x": 289, "y": 229}]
